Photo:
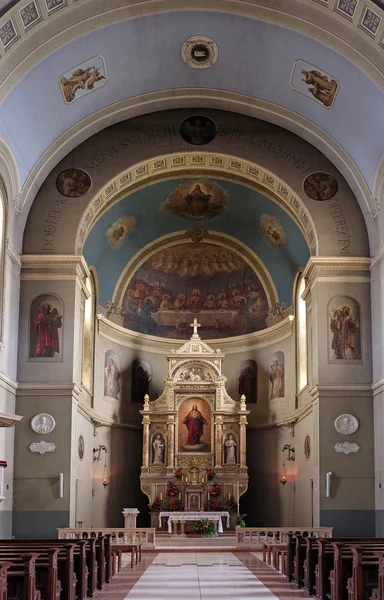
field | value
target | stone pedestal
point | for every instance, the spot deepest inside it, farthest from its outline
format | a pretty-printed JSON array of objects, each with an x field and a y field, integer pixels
[{"x": 130, "y": 516}]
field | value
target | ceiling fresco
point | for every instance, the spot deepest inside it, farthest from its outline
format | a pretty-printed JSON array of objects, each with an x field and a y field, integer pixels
[
  {"x": 197, "y": 274},
  {"x": 258, "y": 59}
]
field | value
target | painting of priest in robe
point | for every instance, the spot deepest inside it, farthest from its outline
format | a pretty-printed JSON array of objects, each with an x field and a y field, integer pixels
[
  {"x": 194, "y": 426},
  {"x": 46, "y": 323},
  {"x": 344, "y": 326},
  {"x": 112, "y": 376}
]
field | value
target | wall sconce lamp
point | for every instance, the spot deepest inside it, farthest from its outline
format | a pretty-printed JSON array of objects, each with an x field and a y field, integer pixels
[
  {"x": 291, "y": 456},
  {"x": 97, "y": 457}
]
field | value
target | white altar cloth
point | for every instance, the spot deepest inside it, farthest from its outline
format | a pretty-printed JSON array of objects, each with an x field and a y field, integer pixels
[{"x": 195, "y": 516}]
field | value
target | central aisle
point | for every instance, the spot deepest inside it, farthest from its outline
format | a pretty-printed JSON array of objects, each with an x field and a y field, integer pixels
[{"x": 209, "y": 576}]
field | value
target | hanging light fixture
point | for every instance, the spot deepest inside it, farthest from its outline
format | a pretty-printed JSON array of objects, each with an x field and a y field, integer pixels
[
  {"x": 97, "y": 457},
  {"x": 283, "y": 475},
  {"x": 291, "y": 456},
  {"x": 105, "y": 475}
]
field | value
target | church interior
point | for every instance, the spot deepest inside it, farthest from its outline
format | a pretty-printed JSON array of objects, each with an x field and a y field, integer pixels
[{"x": 191, "y": 299}]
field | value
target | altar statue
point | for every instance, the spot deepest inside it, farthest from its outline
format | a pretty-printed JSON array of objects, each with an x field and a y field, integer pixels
[
  {"x": 230, "y": 446},
  {"x": 195, "y": 424},
  {"x": 158, "y": 450}
]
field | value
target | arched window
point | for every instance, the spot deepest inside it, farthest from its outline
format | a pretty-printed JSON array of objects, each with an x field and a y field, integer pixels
[
  {"x": 301, "y": 335},
  {"x": 3, "y": 204},
  {"x": 88, "y": 327}
]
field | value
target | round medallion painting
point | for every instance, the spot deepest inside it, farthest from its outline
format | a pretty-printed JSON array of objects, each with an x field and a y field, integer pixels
[
  {"x": 73, "y": 183},
  {"x": 320, "y": 186},
  {"x": 80, "y": 447},
  {"x": 198, "y": 130}
]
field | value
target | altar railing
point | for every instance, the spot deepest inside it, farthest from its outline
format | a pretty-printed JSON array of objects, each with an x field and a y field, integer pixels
[
  {"x": 119, "y": 535},
  {"x": 248, "y": 536}
]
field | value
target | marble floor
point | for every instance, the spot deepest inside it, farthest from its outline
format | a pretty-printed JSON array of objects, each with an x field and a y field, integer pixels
[{"x": 200, "y": 576}]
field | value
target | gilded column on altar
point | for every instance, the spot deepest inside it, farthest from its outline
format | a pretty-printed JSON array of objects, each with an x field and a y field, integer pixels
[
  {"x": 219, "y": 440},
  {"x": 171, "y": 443}
]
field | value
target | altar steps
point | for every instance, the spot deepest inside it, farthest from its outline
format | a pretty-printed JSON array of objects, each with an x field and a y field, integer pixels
[{"x": 166, "y": 541}]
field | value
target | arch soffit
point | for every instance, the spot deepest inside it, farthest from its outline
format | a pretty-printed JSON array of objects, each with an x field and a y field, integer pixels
[
  {"x": 320, "y": 21},
  {"x": 189, "y": 98}
]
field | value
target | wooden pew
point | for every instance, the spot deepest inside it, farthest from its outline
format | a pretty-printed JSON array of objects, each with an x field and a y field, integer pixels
[
  {"x": 21, "y": 579},
  {"x": 365, "y": 572}
]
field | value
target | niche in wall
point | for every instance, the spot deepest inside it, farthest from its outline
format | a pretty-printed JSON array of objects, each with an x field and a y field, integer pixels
[{"x": 247, "y": 380}]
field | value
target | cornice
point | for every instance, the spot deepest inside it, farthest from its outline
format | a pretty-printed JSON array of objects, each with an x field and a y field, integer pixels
[
  {"x": 340, "y": 265},
  {"x": 47, "y": 389},
  {"x": 41, "y": 263},
  {"x": 8, "y": 384},
  {"x": 288, "y": 420},
  {"x": 156, "y": 345},
  {"x": 341, "y": 390}
]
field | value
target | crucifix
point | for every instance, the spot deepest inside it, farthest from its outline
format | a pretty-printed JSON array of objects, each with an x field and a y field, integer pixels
[{"x": 195, "y": 325}]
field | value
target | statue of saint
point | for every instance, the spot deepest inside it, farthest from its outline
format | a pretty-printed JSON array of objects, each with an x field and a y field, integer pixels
[
  {"x": 248, "y": 384},
  {"x": 158, "y": 450},
  {"x": 230, "y": 447}
]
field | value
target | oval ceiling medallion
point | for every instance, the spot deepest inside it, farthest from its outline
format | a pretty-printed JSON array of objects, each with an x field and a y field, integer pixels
[{"x": 199, "y": 52}]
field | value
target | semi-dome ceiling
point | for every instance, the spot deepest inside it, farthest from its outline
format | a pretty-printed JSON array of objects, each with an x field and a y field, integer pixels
[{"x": 233, "y": 239}]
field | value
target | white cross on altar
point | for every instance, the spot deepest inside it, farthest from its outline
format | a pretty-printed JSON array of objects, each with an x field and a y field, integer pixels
[{"x": 195, "y": 325}]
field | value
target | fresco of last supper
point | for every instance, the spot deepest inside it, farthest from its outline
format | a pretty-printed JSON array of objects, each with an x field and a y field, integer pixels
[{"x": 169, "y": 288}]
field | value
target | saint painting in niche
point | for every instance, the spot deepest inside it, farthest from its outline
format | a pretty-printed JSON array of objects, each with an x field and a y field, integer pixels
[
  {"x": 194, "y": 426},
  {"x": 46, "y": 322},
  {"x": 248, "y": 381},
  {"x": 141, "y": 380},
  {"x": 112, "y": 385},
  {"x": 344, "y": 327},
  {"x": 276, "y": 376}
]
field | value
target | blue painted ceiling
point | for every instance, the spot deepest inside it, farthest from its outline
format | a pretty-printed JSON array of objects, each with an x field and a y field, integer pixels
[
  {"x": 142, "y": 55},
  {"x": 240, "y": 219}
]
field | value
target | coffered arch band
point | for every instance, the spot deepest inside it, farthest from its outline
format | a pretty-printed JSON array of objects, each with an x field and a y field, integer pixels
[{"x": 197, "y": 164}]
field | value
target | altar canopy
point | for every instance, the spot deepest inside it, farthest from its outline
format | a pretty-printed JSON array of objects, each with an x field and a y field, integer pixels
[{"x": 194, "y": 436}]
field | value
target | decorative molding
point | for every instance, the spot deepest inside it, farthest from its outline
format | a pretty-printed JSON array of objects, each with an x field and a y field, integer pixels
[
  {"x": 346, "y": 447},
  {"x": 336, "y": 267},
  {"x": 42, "y": 447},
  {"x": 41, "y": 262},
  {"x": 47, "y": 389},
  {"x": 197, "y": 163},
  {"x": 199, "y": 43}
]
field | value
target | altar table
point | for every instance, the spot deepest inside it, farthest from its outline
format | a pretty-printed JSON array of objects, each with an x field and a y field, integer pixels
[{"x": 195, "y": 516}]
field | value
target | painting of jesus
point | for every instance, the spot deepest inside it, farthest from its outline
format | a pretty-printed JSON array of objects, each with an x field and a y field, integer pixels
[{"x": 194, "y": 426}]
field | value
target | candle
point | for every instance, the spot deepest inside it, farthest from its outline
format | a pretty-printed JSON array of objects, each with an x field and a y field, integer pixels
[
  {"x": 208, "y": 496},
  {"x": 161, "y": 496},
  {"x": 229, "y": 496},
  {"x": 186, "y": 480},
  {"x": 179, "y": 495},
  {"x": 238, "y": 498},
  {"x": 202, "y": 480},
  {"x": 182, "y": 479}
]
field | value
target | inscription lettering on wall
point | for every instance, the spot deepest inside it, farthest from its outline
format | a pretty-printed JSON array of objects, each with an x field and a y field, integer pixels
[
  {"x": 51, "y": 223},
  {"x": 339, "y": 220}
]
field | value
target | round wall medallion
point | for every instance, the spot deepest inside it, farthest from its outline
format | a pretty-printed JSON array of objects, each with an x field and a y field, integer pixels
[
  {"x": 346, "y": 424},
  {"x": 320, "y": 186},
  {"x": 43, "y": 423},
  {"x": 198, "y": 130},
  {"x": 307, "y": 447},
  {"x": 80, "y": 447},
  {"x": 73, "y": 183},
  {"x": 199, "y": 52}
]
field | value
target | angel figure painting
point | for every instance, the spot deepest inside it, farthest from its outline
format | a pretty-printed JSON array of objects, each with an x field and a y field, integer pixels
[
  {"x": 194, "y": 426},
  {"x": 83, "y": 79}
]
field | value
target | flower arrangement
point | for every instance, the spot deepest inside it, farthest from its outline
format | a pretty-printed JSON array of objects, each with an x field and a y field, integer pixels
[
  {"x": 174, "y": 505},
  {"x": 240, "y": 522},
  {"x": 215, "y": 491},
  {"x": 179, "y": 473},
  {"x": 156, "y": 504},
  {"x": 210, "y": 474},
  {"x": 204, "y": 527},
  {"x": 215, "y": 505},
  {"x": 172, "y": 490}
]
